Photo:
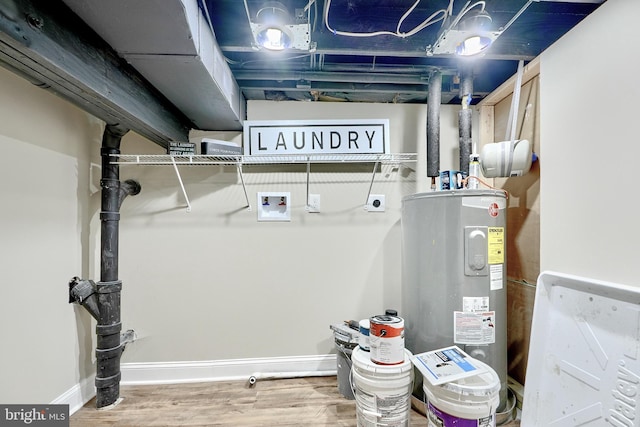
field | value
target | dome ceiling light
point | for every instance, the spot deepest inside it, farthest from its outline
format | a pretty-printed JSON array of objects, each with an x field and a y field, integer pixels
[{"x": 275, "y": 29}]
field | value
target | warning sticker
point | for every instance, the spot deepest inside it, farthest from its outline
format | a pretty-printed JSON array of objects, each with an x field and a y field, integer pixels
[
  {"x": 495, "y": 277},
  {"x": 474, "y": 328},
  {"x": 495, "y": 240}
]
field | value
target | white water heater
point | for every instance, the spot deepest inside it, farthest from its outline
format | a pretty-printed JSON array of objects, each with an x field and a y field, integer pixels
[{"x": 454, "y": 275}]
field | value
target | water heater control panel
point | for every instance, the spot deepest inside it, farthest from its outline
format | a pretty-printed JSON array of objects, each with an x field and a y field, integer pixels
[{"x": 475, "y": 251}]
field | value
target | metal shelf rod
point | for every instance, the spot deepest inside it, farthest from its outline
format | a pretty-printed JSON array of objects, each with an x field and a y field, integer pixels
[
  {"x": 373, "y": 176},
  {"x": 308, "y": 173},
  {"x": 184, "y": 192},
  {"x": 244, "y": 187}
]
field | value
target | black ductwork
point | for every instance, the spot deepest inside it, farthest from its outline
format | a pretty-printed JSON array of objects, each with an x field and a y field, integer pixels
[
  {"x": 433, "y": 126},
  {"x": 102, "y": 299}
]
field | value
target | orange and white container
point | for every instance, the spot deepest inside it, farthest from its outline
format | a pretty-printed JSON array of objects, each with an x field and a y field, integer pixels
[{"x": 386, "y": 339}]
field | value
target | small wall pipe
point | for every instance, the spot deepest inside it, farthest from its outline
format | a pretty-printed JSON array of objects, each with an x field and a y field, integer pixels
[
  {"x": 434, "y": 100},
  {"x": 256, "y": 376},
  {"x": 102, "y": 299}
]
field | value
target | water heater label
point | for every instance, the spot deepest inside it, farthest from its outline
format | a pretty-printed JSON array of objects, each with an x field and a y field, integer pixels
[
  {"x": 474, "y": 328},
  {"x": 495, "y": 241},
  {"x": 475, "y": 304}
]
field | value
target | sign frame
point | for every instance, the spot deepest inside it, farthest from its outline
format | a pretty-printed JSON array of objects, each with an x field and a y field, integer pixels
[{"x": 311, "y": 137}]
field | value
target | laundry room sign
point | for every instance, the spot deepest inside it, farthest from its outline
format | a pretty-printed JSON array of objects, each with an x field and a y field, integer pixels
[{"x": 316, "y": 137}]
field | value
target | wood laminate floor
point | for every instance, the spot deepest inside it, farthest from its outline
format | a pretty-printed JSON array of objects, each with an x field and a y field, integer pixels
[{"x": 284, "y": 402}]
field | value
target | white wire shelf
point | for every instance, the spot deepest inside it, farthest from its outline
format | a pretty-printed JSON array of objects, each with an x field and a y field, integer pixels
[
  {"x": 241, "y": 161},
  {"x": 201, "y": 159}
]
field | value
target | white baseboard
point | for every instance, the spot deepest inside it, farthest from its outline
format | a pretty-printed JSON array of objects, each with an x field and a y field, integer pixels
[
  {"x": 215, "y": 370},
  {"x": 226, "y": 370},
  {"x": 78, "y": 395}
]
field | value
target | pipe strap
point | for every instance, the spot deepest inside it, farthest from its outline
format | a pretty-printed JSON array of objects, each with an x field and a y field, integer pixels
[
  {"x": 109, "y": 287},
  {"x": 109, "y": 216},
  {"x": 107, "y": 382},
  {"x": 109, "y": 353},
  {"x": 105, "y": 151},
  {"x": 109, "y": 329}
]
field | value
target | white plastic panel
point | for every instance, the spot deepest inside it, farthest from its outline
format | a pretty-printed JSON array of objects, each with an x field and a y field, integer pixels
[{"x": 583, "y": 367}]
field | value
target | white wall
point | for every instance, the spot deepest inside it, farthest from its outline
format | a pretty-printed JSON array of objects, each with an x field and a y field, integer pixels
[
  {"x": 590, "y": 148},
  {"x": 47, "y": 206},
  {"x": 216, "y": 284},
  {"x": 207, "y": 285}
]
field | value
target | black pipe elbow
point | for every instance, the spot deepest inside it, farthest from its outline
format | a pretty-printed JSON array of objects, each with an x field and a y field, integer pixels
[
  {"x": 129, "y": 187},
  {"x": 113, "y": 134}
]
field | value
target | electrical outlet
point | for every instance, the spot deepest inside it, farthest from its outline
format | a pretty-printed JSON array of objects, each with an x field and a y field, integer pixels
[
  {"x": 376, "y": 203},
  {"x": 313, "y": 204}
]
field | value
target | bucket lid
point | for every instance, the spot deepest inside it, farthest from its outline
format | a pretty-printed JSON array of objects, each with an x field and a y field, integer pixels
[
  {"x": 485, "y": 383},
  {"x": 362, "y": 359},
  {"x": 386, "y": 319}
]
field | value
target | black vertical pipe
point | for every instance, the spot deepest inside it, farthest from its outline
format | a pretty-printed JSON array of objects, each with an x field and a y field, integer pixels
[
  {"x": 109, "y": 348},
  {"x": 464, "y": 131},
  {"x": 102, "y": 299},
  {"x": 465, "y": 116},
  {"x": 466, "y": 80},
  {"x": 434, "y": 100}
]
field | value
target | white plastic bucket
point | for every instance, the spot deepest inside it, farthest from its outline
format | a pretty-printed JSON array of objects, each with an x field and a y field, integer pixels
[
  {"x": 386, "y": 339},
  {"x": 466, "y": 402},
  {"x": 383, "y": 392}
]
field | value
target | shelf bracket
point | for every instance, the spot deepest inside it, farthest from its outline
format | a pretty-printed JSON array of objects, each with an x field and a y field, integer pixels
[
  {"x": 308, "y": 173},
  {"x": 373, "y": 177},
  {"x": 184, "y": 192},
  {"x": 244, "y": 187}
]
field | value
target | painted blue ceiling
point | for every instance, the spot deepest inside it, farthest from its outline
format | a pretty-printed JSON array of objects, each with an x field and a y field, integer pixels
[{"x": 382, "y": 68}]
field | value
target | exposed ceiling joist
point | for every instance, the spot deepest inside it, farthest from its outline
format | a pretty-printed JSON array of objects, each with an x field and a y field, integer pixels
[
  {"x": 339, "y": 77},
  {"x": 400, "y": 52}
]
